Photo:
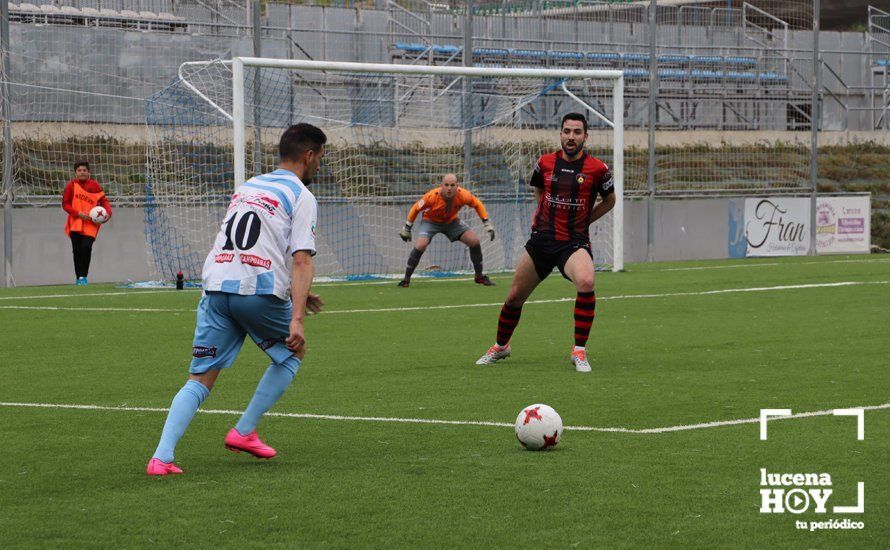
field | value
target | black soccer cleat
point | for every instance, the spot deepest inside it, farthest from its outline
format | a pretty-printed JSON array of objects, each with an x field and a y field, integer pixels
[
  {"x": 484, "y": 280},
  {"x": 404, "y": 283}
]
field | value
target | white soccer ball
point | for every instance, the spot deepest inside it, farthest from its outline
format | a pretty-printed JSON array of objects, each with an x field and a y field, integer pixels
[
  {"x": 538, "y": 427},
  {"x": 98, "y": 214}
]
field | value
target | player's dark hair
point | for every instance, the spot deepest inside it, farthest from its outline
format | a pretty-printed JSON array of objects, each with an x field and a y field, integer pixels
[
  {"x": 574, "y": 116},
  {"x": 80, "y": 163},
  {"x": 298, "y": 139}
]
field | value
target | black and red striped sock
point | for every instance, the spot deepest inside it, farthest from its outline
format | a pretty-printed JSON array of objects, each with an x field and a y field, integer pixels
[
  {"x": 585, "y": 306},
  {"x": 507, "y": 322}
]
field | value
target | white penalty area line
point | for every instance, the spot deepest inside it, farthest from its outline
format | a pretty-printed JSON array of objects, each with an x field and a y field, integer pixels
[
  {"x": 385, "y": 419},
  {"x": 488, "y": 304}
]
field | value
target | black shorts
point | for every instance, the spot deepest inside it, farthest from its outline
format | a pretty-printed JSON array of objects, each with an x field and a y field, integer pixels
[{"x": 547, "y": 253}]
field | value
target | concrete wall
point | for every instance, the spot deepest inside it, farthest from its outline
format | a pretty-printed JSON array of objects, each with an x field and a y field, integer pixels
[
  {"x": 685, "y": 230},
  {"x": 41, "y": 253}
]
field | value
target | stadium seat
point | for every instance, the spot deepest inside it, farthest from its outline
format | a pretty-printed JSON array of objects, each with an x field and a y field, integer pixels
[
  {"x": 529, "y": 54},
  {"x": 635, "y": 57},
  {"x": 169, "y": 16},
  {"x": 773, "y": 77},
  {"x": 673, "y": 59},
  {"x": 28, "y": 9},
  {"x": 707, "y": 59},
  {"x": 738, "y": 76},
  {"x": 490, "y": 51},
  {"x": 413, "y": 48},
  {"x": 741, "y": 61},
  {"x": 699, "y": 74},
  {"x": 565, "y": 55},
  {"x": 605, "y": 57},
  {"x": 446, "y": 50},
  {"x": 673, "y": 74},
  {"x": 636, "y": 73},
  {"x": 883, "y": 62}
]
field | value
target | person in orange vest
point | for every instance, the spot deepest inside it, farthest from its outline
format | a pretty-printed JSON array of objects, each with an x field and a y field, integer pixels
[{"x": 81, "y": 194}]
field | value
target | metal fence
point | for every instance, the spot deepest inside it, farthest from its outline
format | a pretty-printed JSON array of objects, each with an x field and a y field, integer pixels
[{"x": 721, "y": 102}]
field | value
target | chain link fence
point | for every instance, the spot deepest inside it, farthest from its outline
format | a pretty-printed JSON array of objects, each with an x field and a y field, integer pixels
[{"x": 733, "y": 103}]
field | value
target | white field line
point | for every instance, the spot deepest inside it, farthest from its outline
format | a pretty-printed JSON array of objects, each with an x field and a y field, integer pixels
[
  {"x": 384, "y": 419},
  {"x": 433, "y": 279},
  {"x": 92, "y": 294},
  {"x": 395, "y": 280},
  {"x": 489, "y": 304},
  {"x": 771, "y": 264},
  {"x": 103, "y": 309},
  {"x": 136, "y": 292}
]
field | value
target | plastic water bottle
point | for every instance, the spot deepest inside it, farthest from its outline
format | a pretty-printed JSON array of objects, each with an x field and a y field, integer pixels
[{"x": 179, "y": 281}]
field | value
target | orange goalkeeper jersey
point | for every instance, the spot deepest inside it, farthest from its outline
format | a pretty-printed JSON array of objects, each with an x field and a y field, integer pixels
[{"x": 436, "y": 208}]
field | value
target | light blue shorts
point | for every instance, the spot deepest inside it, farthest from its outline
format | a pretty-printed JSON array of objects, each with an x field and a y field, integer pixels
[{"x": 225, "y": 319}]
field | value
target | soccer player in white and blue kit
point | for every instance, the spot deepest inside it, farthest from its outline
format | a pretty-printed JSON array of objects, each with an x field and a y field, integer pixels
[{"x": 256, "y": 282}]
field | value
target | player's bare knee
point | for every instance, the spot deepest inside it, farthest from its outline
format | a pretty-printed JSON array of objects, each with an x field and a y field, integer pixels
[
  {"x": 584, "y": 283},
  {"x": 515, "y": 298},
  {"x": 471, "y": 241},
  {"x": 421, "y": 245},
  {"x": 207, "y": 379}
]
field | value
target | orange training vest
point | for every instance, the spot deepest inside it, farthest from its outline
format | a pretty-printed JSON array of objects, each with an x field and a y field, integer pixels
[{"x": 83, "y": 201}]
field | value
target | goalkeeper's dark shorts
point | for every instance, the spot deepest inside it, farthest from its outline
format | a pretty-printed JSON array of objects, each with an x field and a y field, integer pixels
[{"x": 547, "y": 253}]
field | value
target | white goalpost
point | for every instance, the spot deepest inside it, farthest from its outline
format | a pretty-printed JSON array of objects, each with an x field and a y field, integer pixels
[{"x": 394, "y": 131}]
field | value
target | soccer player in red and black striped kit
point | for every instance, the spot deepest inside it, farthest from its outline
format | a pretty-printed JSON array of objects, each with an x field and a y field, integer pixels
[{"x": 566, "y": 185}]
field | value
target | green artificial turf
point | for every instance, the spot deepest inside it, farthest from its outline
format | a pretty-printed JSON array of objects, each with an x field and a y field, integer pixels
[{"x": 666, "y": 351}]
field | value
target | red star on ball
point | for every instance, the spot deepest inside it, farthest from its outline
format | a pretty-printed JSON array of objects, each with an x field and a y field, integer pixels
[
  {"x": 550, "y": 440},
  {"x": 530, "y": 414}
]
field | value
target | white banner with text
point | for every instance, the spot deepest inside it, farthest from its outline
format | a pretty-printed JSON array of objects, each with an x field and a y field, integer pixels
[
  {"x": 777, "y": 226},
  {"x": 843, "y": 225}
]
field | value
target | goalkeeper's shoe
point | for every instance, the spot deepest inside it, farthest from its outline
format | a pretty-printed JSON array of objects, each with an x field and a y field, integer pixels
[
  {"x": 250, "y": 443},
  {"x": 404, "y": 283},
  {"x": 579, "y": 359},
  {"x": 494, "y": 354},
  {"x": 483, "y": 280},
  {"x": 158, "y": 468}
]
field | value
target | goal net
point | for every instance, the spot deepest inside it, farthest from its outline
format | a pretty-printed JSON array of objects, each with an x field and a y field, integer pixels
[{"x": 393, "y": 132}]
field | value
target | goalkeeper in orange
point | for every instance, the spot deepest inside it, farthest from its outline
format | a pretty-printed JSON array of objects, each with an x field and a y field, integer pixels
[{"x": 440, "y": 207}]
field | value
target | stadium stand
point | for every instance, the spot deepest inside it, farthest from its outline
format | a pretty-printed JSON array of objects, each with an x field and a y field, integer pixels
[
  {"x": 88, "y": 16},
  {"x": 676, "y": 67}
]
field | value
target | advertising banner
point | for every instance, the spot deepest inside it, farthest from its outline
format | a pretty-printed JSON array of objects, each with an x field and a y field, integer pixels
[
  {"x": 777, "y": 226},
  {"x": 843, "y": 225}
]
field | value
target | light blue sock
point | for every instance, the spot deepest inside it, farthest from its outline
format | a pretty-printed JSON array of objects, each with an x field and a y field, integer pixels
[
  {"x": 182, "y": 410},
  {"x": 270, "y": 389}
]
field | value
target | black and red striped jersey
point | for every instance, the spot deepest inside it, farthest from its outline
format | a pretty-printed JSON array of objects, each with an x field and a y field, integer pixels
[{"x": 569, "y": 194}]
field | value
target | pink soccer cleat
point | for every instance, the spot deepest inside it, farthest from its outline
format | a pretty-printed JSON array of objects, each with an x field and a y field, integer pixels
[
  {"x": 158, "y": 468},
  {"x": 250, "y": 443}
]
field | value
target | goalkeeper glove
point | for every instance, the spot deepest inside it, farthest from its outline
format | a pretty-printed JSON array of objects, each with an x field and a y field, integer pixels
[
  {"x": 405, "y": 233},
  {"x": 489, "y": 227}
]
